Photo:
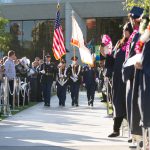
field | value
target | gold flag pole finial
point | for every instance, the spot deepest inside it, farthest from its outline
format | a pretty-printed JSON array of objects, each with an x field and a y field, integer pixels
[{"x": 58, "y": 5}]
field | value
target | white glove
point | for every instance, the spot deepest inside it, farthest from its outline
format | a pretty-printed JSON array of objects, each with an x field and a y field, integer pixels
[
  {"x": 97, "y": 80},
  {"x": 84, "y": 84},
  {"x": 43, "y": 71}
]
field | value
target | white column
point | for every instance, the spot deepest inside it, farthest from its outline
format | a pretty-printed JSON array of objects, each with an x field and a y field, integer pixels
[{"x": 68, "y": 30}]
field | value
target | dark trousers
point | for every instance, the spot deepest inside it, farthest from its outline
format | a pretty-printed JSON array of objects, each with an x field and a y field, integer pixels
[
  {"x": 104, "y": 96},
  {"x": 47, "y": 91},
  {"x": 74, "y": 89},
  {"x": 117, "y": 123},
  {"x": 33, "y": 86},
  {"x": 61, "y": 93},
  {"x": 11, "y": 85},
  {"x": 90, "y": 93}
]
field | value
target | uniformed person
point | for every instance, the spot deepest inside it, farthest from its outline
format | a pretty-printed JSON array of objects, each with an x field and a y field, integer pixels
[
  {"x": 90, "y": 80},
  {"x": 48, "y": 71},
  {"x": 62, "y": 80},
  {"x": 74, "y": 71}
]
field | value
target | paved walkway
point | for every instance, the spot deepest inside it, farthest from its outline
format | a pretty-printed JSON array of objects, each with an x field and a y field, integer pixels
[{"x": 56, "y": 128}]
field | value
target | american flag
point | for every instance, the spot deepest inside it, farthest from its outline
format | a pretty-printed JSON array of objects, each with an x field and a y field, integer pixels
[{"x": 58, "y": 39}]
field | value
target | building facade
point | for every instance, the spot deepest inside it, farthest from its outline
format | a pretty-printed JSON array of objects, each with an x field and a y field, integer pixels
[{"x": 36, "y": 17}]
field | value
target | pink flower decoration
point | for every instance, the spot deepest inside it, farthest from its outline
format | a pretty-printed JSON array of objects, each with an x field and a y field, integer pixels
[
  {"x": 139, "y": 46},
  {"x": 106, "y": 40}
]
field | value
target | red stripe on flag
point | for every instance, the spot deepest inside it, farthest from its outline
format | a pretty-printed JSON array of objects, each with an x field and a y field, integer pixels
[{"x": 58, "y": 39}]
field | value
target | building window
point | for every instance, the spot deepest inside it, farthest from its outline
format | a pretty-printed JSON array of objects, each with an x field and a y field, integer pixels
[{"x": 96, "y": 27}]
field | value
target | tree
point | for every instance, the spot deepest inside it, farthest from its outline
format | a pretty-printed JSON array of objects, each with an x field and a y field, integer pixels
[
  {"x": 128, "y": 4},
  {"x": 4, "y": 36}
]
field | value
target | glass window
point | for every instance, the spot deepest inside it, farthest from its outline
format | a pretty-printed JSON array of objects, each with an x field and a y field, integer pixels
[
  {"x": 6, "y": 1},
  {"x": 96, "y": 27},
  {"x": 17, "y": 38}
]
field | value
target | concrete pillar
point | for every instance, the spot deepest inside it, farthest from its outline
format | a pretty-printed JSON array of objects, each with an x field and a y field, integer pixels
[{"x": 68, "y": 30}]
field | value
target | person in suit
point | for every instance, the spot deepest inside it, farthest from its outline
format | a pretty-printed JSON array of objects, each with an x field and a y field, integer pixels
[
  {"x": 48, "y": 74},
  {"x": 75, "y": 75},
  {"x": 90, "y": 80}
]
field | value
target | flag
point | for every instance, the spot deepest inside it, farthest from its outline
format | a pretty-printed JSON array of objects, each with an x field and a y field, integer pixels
[
  {"x": 58, "y": 39},
  {"x": 78, "y": 41},
  {"x": 77, "y": 35},
  {"x": 85, "y": 55}
]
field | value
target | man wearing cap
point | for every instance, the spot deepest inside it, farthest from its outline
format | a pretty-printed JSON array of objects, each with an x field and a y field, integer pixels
[
  {"x": 90, "y": 79},
  {"x": 48, "y": 72},
  {"x": 74, "y": 71},
  {"x": 62, "y": 80},
  {"x": 128, "y": 72}
]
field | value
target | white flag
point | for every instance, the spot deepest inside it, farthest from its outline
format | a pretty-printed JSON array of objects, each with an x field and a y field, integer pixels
[{"x": 78, "y": 41}]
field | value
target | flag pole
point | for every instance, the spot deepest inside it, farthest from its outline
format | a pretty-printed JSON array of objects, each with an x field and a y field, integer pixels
[
  {"x": 58, "y": 5},
  {"x": 58, "y": 8},
  {"x": 74, "y": 52},
  {"x": 43, "y": 54},
  {"x": 74, "y": 49}
]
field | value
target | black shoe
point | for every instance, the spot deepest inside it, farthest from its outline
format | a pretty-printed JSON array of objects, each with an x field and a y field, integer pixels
[
  {"x": 114, "y": 134},
  {"x": 103, "y": 101},
  {"x": 133, "y": 146},
  {"x": 88, "y": 103},
  {"x": 48, "y": 105},
  {"x": 72, "y": 104},
  {"x": 77, "y": 105},
  {"x": 130, "y": 141}
]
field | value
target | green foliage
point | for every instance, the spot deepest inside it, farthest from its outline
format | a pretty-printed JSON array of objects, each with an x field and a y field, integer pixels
[
  {"x": 128, "y": 4},
  {"x": 4, "y": 36}
]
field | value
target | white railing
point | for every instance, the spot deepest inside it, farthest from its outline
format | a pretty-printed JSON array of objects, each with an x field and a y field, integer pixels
[{"x": 19, "y": 87}]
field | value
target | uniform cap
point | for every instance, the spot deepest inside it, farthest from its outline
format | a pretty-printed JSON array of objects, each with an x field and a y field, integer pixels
[
  {"x": 74, "y": 58},
  {"x": 48, "y": 56},
  {"x": 63, "y": 61}
]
